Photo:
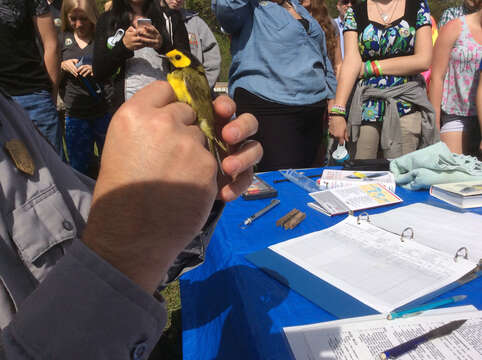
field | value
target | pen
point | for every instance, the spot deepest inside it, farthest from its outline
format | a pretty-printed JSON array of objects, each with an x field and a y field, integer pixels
[
  {"x": 261, "y": 212},
  {"x": 419, "y": 309},
  {"x": 412, "y": 344}
]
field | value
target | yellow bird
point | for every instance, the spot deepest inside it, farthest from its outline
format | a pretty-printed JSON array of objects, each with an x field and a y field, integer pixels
[{"x": 190, "y": 85}]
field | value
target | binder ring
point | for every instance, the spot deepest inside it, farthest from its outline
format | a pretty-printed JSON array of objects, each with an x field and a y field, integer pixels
[
  {"x": 363, "y": 216},
  {"x": 405, "y": 234},
  {"x": 462, "y": 252}
]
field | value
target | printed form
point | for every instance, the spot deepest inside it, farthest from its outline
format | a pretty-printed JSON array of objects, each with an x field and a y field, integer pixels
[
  {"x": 367, "y": 337},
  {"x": 373, "y": 265},
  {"x": 436, "y": 227}
]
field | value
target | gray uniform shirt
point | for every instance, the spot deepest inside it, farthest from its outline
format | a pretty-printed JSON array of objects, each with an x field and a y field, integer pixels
[
  {"x": 58, "y": 299},
  {"x": 81, "y": 308}
]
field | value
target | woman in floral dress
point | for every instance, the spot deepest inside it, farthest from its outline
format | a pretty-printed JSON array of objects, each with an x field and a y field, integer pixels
[{"x": 387, "y": 44}]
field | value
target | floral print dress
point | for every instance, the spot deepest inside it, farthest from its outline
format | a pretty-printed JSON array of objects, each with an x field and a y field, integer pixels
[{"x": 378, "y": 42}]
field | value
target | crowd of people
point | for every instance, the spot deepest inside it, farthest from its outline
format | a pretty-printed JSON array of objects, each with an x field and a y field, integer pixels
[{"x": 94, "y": 84}]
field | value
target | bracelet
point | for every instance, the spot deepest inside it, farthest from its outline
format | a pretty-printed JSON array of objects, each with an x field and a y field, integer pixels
[
  {"x": 336, "y": 114},
  {"x": 338, "y": 109},
  {"x": 368, "y": 70},
  {"x": 377, "y": 68}
]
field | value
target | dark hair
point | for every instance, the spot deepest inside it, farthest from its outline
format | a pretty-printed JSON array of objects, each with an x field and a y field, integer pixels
[{"x": 122, "y": 11}]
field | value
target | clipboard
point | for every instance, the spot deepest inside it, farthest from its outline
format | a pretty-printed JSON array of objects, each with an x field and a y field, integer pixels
[{"x": 331, "y": 298}]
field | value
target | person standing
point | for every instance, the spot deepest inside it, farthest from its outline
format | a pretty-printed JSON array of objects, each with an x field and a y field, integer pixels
[
  {"x": 455, "y": 12},
  {"x": 23, "y": 75},
  {"x": 202, "y": 42},
  {"x": 86, "y": 118},
  {"x": 280, "y": 72},
  {"x": 342, "y": 6},
  {"x": 455, "y": 76},
  {"x": 387, "y": 43},
  {"x": 128, "y": 54}
]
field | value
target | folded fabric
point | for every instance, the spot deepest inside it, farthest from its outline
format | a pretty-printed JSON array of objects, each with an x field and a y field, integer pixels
[{"x": 434, "y": 164}]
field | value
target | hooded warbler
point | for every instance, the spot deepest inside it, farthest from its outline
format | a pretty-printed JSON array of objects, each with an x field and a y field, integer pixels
[{"x": 190, "y": 85}]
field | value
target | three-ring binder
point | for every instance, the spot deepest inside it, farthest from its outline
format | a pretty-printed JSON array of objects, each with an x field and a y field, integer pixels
[{"x": 363, "y": 216}]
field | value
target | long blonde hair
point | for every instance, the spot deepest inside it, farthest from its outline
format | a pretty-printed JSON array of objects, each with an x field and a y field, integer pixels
[
  {"x": 319, "y": 11},
  {"x": 88, "y": 6}
]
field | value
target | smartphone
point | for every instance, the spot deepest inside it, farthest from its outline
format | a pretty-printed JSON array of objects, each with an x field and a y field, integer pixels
[{"x": 143, "y": 22}]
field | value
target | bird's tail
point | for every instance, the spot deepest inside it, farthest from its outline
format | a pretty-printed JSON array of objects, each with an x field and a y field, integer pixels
[{"x": 214, "y": 145}]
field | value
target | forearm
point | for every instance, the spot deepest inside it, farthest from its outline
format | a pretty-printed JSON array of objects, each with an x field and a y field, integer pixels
[
  {"x": 52, "y": 65},
  {"x": 406, "y": 65},
  {"x": 348, "y": 75},
  {"x": 435, "y": 96}
]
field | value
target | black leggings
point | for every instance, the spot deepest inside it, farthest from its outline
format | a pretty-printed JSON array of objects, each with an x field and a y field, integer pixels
[{"x": 290, "y": 135}]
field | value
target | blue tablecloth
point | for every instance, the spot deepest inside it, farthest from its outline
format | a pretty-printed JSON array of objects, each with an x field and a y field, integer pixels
[{"x": 233, "y": 310}]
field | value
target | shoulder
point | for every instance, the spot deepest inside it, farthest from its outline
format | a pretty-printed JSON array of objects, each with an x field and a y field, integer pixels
[
  {"x": 449, "y": 33},
  {"x": 451, "y": 29}
]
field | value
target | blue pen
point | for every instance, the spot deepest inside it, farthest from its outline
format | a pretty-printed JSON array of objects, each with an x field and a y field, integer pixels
[
  {"x": 418, "y": 310},
  {"x": 410, "y": 345}
]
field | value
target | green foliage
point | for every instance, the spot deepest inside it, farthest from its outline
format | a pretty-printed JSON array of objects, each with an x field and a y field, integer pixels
[{"x": 224, "y": 43}]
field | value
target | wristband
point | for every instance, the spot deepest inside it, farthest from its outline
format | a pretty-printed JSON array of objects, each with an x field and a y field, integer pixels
[
  {"x": 338, "y": 109},
  {"x": 377, "y": 68},
  {"x": 368, "y": 70},
  {"x": 336, "y": 114}
]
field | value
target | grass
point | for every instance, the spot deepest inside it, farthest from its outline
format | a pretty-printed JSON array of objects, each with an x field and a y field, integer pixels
[{"x": 170, "y": 343}]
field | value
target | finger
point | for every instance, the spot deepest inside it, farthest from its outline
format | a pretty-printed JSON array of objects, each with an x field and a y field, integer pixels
[
  {"x": 232, "y": 190},
  {"x": 157, "y": 94},
  {"x": 245, "y": 158},
  {"x": 224, "y": 108},
  {"x": 240, "y": 129}
]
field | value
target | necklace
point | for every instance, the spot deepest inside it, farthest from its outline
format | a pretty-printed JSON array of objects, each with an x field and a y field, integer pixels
[{"x": 385, "y": 18}]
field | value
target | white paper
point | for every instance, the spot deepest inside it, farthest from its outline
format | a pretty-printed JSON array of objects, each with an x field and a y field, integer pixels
[
  {"x": 358, "y": 197},
  {"x": 373, "y": 265},
  {"x": 436, "y": 227},
  {"x": 332, "y": 179},
  {"x": 367, "y": 337}
]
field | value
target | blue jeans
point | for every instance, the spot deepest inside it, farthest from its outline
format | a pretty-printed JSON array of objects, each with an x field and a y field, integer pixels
[
  {"x": 43, "y": 112},
  {"x": 80, "y": 135}
]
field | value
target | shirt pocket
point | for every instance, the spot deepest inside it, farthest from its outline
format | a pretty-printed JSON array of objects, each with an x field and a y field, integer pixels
[
  {"x": 40, "y": 229},
  {"x": 273, "y": 16}
]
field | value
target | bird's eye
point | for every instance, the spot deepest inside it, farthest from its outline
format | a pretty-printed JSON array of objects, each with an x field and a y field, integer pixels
[{"x": 178, "y": 57}]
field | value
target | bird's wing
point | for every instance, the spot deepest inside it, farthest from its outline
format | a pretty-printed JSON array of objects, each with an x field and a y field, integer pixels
[{"x": 197, "y": 85}]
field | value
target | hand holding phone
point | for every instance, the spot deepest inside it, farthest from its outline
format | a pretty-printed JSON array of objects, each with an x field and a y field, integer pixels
[{"x": 141, "y": 22}]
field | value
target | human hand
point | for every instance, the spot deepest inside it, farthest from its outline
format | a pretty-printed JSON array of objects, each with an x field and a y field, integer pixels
[
  {"x": 69, "y": 66},
  {"x": 238, "y": 166},
  {"x": 337, "y": 128},
  {"x": 157, "y": 182},
  {"x": 85, "y": 70},
  {"x": 132, "y": 40},
  {"x": 149, "y": 36}
]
